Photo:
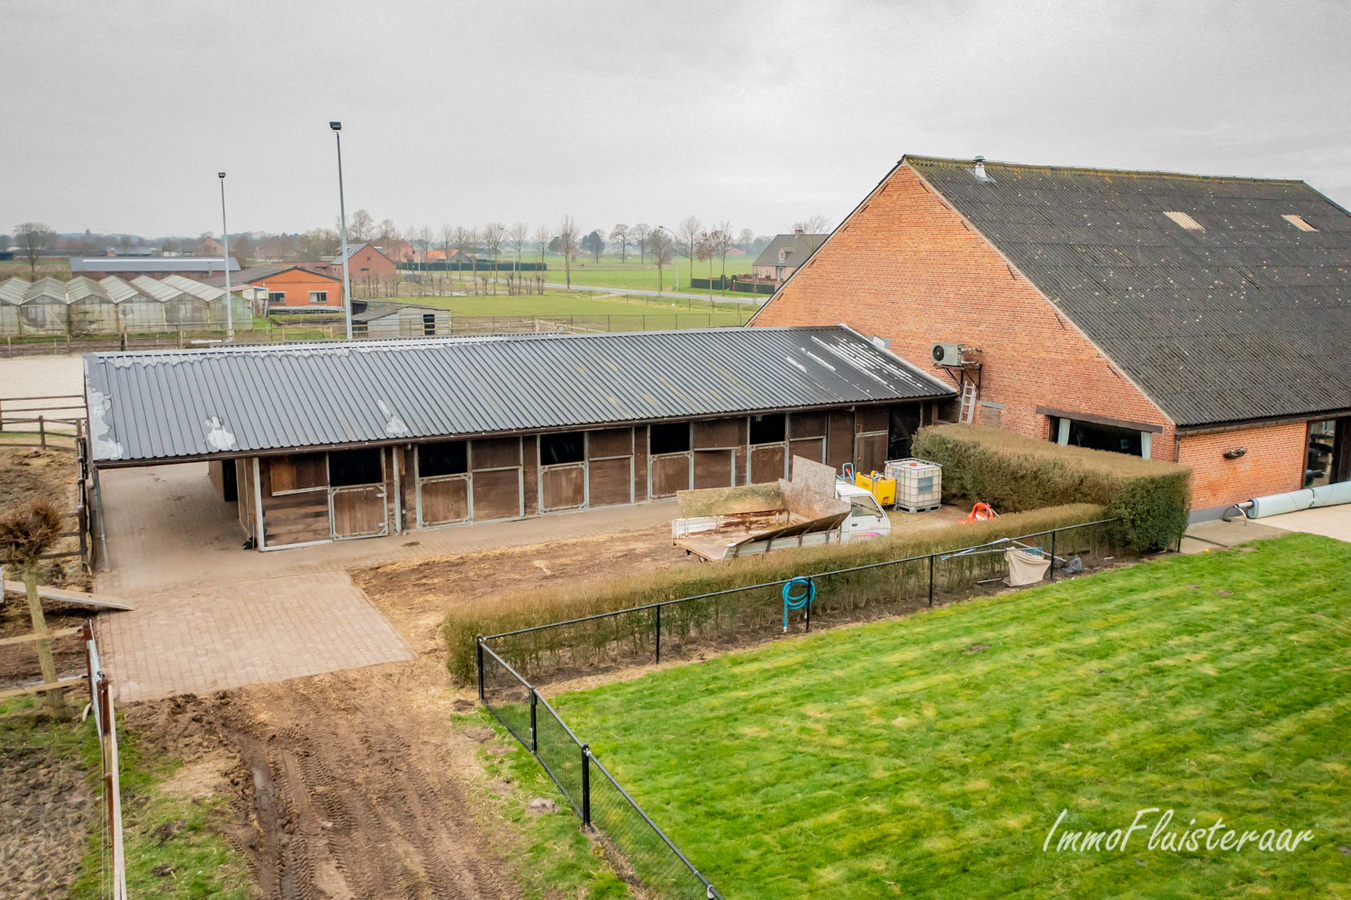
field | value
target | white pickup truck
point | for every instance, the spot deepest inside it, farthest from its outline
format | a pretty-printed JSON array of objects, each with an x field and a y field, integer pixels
[{"x": 814, "y": 508}]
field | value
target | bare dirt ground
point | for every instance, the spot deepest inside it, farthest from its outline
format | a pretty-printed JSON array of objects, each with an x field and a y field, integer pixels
[
  {"x": 356, "y": 784},
  {"x": 46, "y": 807},
  {"x": 30, "y": 474}
]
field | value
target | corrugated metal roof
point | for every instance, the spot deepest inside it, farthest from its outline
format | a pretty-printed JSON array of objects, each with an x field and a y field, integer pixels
[
  {"x": 196, "y": 403},
  {"x": 198, "y": 289},
  {"x": 156, "y": 289},
  {"x": 1245, "y": 319},
  {"x": 14, "y": 290},
  {"x": 111, "y": 264}
]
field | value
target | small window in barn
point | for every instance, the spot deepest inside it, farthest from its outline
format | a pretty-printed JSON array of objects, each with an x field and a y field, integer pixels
[
  {"x": 1298, "y": 222},
  {"x": 668, "y": 437},
  {"x": 558, "y": 449},
  {"x": 276, "y": 297},
  {"x": 442, "y": 458},
  {"x": 767, "y": 429},
  {"x": 318, "y": 296},
  {"x": 352, "y": 467},
  {"x": 298, "y": 472},
  {"x": 1185, "y": 221}
]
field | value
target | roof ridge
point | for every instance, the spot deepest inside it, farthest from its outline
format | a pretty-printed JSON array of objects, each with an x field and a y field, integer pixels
[{"x": 1097, "y": 170}]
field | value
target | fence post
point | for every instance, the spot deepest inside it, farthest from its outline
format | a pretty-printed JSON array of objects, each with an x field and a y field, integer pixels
[
  {"x": 534, "y": 739},
  {"x": 658, "y": 634},
  {"x": 811, "y": 593},
  {"x": 2, "y": 411},
  {"x": 481, "y": 699},
  {"x": 1053, "y": 533},
  {"x": 586, "y": 785},
  {"x": 931, "y": 579},
  {"x": 42, "y": 430}
]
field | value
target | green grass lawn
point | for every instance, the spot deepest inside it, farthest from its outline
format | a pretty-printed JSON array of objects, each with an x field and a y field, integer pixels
[{"x": 930, "y": 756}]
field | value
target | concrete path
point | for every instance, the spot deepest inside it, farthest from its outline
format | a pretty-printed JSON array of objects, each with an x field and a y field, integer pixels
[
  {"x": 1329, "y": 521},
  {"x": 210, "y": 615},
  {"x": 1220, "y": 535}
]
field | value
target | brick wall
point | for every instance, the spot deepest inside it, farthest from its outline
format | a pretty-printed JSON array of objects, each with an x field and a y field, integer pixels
[
  {"x": 908, "y": 268},
  {"x": 1273, "y": 464}
]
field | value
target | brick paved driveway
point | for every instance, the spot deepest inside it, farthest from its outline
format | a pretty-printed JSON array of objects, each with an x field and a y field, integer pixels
[{"x": 210, "y": 615}]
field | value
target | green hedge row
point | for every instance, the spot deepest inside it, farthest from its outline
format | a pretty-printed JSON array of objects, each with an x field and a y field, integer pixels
[
  {"x": 1012, "y": 473},
  {"x": 736, "y": 615}
]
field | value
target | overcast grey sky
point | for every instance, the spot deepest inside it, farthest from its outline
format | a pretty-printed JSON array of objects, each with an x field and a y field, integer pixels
[{"x": 117, "y": 115}]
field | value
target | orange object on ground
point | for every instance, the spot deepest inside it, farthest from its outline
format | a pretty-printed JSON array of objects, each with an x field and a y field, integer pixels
[{"x": 980, "y": 512}]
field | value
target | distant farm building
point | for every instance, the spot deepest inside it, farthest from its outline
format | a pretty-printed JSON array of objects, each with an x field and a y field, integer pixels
[
  {"x": 398, "y": 320},
  {"x": 129, "y": 267},
  {"x": 288, "y": 288},
  {"x": 114, "y": 305},
  {"x": 785, "y": 253},
  {"x": 372, "y": 272},
  {"x": 374, "y": 438}
]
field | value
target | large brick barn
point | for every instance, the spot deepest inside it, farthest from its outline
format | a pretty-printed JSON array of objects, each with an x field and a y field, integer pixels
[
  {"x": 326, "y": 441},
  {"x": 1187, "y": 318}
]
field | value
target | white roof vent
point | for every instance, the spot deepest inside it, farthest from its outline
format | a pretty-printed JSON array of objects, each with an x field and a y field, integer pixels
[{"x": 978, "y": 171}]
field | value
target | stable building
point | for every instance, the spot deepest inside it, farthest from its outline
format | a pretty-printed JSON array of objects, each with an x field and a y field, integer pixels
[
  {"x": 336, "y": 440},
  {"x": 1188, "y": 318}
]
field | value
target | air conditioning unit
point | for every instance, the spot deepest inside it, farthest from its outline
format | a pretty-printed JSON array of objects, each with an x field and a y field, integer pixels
[{"x": 947, "y": 354}]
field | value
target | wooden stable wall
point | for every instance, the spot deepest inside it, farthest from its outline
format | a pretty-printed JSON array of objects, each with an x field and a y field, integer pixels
[{"x": 493, "y": 479}]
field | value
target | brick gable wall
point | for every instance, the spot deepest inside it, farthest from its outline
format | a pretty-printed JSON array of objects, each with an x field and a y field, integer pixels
[{"x": 907, "y": 267}]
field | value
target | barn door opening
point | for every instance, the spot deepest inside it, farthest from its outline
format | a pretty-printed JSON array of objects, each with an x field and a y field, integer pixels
[
  {"x": 668, "y": 459},
  {"x": 356, "y": 493},
  {"x": 562, "y": 467},
  {"x": 443, "y": 490}
]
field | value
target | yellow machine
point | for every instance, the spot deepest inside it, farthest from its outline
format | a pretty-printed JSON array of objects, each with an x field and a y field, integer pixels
[{"x": 883, "y": 489}]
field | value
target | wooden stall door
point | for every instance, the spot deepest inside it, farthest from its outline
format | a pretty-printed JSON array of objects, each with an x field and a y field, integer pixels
[
  {"x": 443, "y": 500},
  {"x": 670, "y": 473},
  {"x": 767, "y": 462},
  {"x": 563, "y": 487},
  {"x": 358, "y": 511},
  {"x": 496, "y": 464},
  {"x": 609, "y": 467},
  {"x": 807, "y": 436},
  {"x": 870, "y": 441}
]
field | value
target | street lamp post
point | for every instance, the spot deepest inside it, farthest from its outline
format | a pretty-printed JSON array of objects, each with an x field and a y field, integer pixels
[
  {"x": 342, "y": 211},
  {"x": 225, "y": 236},
  {"x": 677, "y": 255}
]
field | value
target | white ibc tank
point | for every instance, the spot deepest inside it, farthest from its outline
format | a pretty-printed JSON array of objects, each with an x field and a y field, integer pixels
[{"x": 919, "y": 483}]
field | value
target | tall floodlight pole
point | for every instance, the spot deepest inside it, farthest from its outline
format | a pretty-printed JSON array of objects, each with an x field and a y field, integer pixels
[
  {"x": 225, "y": 235},
  {"x": 342, "y": 211},
  {"x": 676, "y": 242}
]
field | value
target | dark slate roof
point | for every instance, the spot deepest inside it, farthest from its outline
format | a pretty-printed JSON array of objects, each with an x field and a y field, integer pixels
[
  {"x": 1247, "y": 319},
  {"x": 199, "y": 403},
  {"x": 799, "y": 247}
]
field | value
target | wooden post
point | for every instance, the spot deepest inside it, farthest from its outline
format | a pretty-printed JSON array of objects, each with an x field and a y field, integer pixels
[
  {"x": 44, "y": 645},
  {"x": 42, "y": 430}
]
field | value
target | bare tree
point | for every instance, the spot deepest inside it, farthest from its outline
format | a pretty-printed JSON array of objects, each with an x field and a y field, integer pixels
[
  {"x": 466, "y": 241},
  {"x": 661, "y": 248},
  {"x": 688, "y": 232},
  {"x": 722, "y": 242},
  {"x": 543, "y": 237},
  {"x": 386, "y": 232},
  {"x": 493, "y": 235},
  {"x": 745, "y": 237},
  {"x": 446, "y": 244},
  {"x": 33, "y": 237},
  {"x": 518, "y": 234},
  {"x": 638, "y": 233},
  {"x": 620, "y": 235},
  {"x": 705, "y": 250},
  {"x": 567, "y": 245},
  {"x": 817, "y": 224},
  {"x": 361, "y": 226}
]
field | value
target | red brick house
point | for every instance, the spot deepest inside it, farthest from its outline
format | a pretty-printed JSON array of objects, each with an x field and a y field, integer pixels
[
  {"x": 373, "y": 273},
  {"x": 290, "y": 288},
  {"x": 780, "y": 259},
  {"x": 1187, "y": 318}
]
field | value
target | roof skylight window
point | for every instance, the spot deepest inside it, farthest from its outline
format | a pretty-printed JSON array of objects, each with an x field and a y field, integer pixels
[
  {"x": 1185, "y": 221},
  {"x": 1298, "y": 222}
]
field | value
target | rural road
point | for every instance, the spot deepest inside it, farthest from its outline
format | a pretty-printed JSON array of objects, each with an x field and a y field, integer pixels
[{"x": 755, "y": 301}]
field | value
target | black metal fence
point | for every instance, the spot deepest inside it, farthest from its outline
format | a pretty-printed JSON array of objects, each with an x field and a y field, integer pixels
[
  {"x": 682, "y": 626},
  {"x": 636, "y": 842},
  {"x": 677, "y": 625}
]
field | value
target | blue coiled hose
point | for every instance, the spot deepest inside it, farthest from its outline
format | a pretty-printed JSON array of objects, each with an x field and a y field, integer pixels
[{"x": 798, "y": 593}]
